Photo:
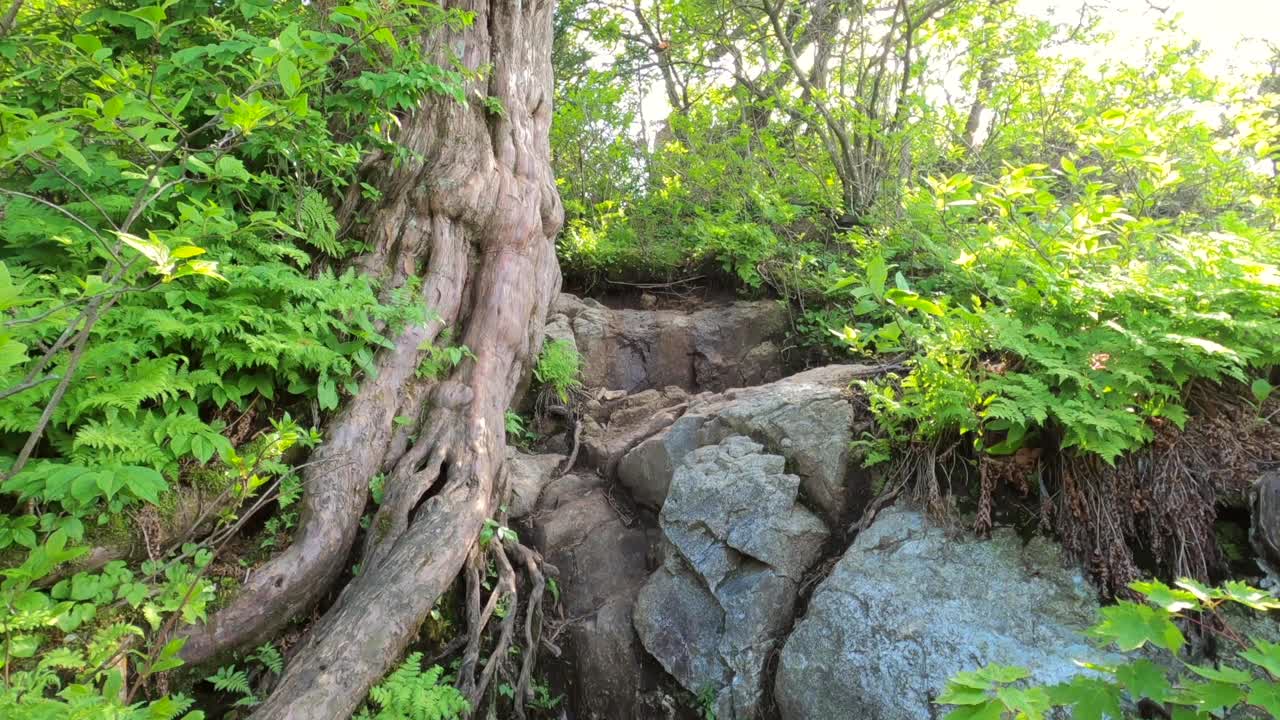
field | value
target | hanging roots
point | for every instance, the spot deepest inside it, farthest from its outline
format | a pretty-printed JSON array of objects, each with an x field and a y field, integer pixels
[
  {"x": 1155, "y": 507},
  {"x": 494, "y": 565}
]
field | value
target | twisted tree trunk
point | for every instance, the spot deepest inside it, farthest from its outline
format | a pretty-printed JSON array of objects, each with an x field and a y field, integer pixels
[{"x": 478, "y": 211}]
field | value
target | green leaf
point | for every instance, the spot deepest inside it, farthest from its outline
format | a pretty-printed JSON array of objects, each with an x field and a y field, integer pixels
[
  {"x": 71, "y": 153},
  {"x": 143, "y": 482},
  {"x": 1261, "y": 390},
  {"x": 877, "y": 275},
  {"x": 1266, "y": 694},
  {"x": 1251, "y": 597},
  {"x": 1167, "y": 598},
  {"x": 1144, "y": 679},
  {"x": 290, "y": 79},
  {"x": 960, "y": 695},
  {"x": 23, "y": 646},
  {"x": 230, "y": 167},
  {"x": 327, "y": 394},
  {"x": 152, "y": 249},
  {"x": 1089, "y": 698},
  {"x": 1032, "y": 703},
  {"x": 187, "y": 251},
  {"x": 90, "y": 44},
  {"x": 1212, "y": 696},
  {"x": 991, "y": 710},
  {"x": 1265, "y": 655},
  {"x": 1225, "y": 674},
  {"x": 912, "y": 301},
  {"x": 1130, "y": 626}
]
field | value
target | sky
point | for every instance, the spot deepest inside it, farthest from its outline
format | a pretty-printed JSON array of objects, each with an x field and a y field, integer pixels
[{"x": 1230, "y": 30}]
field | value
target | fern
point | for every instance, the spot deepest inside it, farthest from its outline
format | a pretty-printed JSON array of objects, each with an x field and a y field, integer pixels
[
  {"x": 270, "y": 658},
  {"x": 559, "y": 368},
  {"x": 229, "y": 679},
  {"x": 316, "y": 223},
  {"x": 411, "y": 693}
]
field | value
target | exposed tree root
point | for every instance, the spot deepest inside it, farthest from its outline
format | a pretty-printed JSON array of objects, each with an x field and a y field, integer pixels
[{"x": 480, "y": 206}]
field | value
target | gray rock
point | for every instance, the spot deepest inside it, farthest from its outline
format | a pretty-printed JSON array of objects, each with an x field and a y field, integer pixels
[
  {"x": 646, "y": 470},
  {"x": 732, "y": 500},
  {"x": 602, "y": 564},
  {"x": 736, "y": 544},
  {"x": 806, "y": 417},
  {"x": 559, "y": 328},
  {"x": 712, "y": 348},
  {"x": 613, "y": 427},
  {"x": 526, "y": 476},
  {"x": 1264, "y": 525},
  {"x": 681, "y": 624},
  {"x": 907, "y": 607}
]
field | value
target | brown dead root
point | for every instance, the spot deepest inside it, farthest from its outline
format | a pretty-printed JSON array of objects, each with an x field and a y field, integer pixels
[
  {"x": 1153, "y": 512},
  {"x": 1163, "y": 501}
]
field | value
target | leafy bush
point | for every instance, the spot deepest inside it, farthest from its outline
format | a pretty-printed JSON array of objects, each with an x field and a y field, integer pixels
[
  {"x": 1245, "y": 679},
  {"x": 411, "y": 693},
  {"x": 169, "y": 285},
  {"x": 1079, "y": 299}
]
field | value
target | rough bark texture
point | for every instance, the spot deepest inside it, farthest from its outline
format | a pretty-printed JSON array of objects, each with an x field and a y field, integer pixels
[{"x": 480, "y": 211}]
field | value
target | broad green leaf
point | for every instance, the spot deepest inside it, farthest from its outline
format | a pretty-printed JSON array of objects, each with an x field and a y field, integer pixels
[
  {"x": 991, "y": 710},
  {"x": 1265, "y": 694},
  {"x": 1265, "y": 655},
  {"x": 90, "y": 44},
  {"x": 956, "y": 694},
  {"x": 1224, "y": 674},
  {"x": 1261, "y": 390},
  {"x": 877, "y": 275},
  {"x": 23, "y": 646},
  {"x": 1144, "y": 679},
  {"x": 229, "y": 167},
  {"x": 290, "y": 79},
  {"x": 1089, "y": 698},
  {"x": 143, "y": 482},
  {"x": 1167, "y": 598},
  {"x": 1211, "y": 696},
  {"x": 1031, "y": 703},
  {"x": 1130, "y": 626}
]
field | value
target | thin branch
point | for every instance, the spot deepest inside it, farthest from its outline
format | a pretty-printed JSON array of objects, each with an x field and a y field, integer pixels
[
  {"x": 10, "y": 17},
  {"x": 27, "y": 386}
]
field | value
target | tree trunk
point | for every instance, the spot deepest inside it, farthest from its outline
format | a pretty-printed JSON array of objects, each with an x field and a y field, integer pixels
[{"x": 479, "y": 208}]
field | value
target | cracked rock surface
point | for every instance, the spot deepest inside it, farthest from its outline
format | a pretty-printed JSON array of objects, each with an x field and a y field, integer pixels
[
  {"x": 908, "y": 606},
  {"x": 736, "y": 544}
]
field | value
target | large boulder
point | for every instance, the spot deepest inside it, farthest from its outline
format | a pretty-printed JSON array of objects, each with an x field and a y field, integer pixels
[
  {"x": 603, "y": 557},
  {"x": 908, "y": 606},
  {"x": 807, "y": 418},
  {"x": 712, "y": 348},
  {"x": 736, "y": 545}
]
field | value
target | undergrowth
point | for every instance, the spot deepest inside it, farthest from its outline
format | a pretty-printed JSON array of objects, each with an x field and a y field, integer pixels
[
  {"x": 412, "y": 693},
  {"x": 172, "y": 295}
]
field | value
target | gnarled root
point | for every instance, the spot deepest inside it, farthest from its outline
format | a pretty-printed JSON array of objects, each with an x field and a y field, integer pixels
[{"x": 505, "y": 594}]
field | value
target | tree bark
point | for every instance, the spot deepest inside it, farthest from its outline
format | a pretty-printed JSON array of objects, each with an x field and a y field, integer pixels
[{"x": 479, "y": 208}]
